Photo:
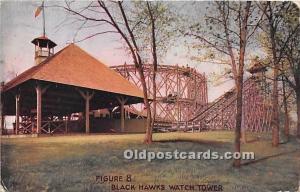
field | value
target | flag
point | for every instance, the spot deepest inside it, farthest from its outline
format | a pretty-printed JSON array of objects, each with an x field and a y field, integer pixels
[{"x": 38, "y": 10}]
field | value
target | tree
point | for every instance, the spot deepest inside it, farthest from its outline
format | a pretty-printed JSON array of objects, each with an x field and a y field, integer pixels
[
  {"x": 272, "y": 30},
  {"x": 154, "y": 56},
  {"x": 292, "y": 74},
  {"x": 156, "y": 34},
  {"x": 293, "y": 56},
  {"x": 229, "y": 26},
  {"x": 131, "y": 21},
  {"x": 281, "y": 27},
  {"x": 292, "y": 53}
]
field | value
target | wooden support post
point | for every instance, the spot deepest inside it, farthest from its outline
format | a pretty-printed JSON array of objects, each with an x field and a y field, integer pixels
[
  {"x": 1, "y": 109},
  {"x": 122, "y": 102},
  {"x": 17, "y": 113},
  {"x": 87, "y": 96},
  {"x": 2, "y": 122},
  {"x": 87, "y": 114},
  {"x": 38, "y": 108},
  {"x": 67, "y": 123},
  {"x": 39, "y": 92},
  {"x": 122, "y": 117}
]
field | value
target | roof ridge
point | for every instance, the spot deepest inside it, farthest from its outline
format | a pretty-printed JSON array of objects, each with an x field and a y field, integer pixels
[
  {"x": 98, "y": 60},
  {"x": 46, "y": 61},
  {"x": 32, "y": 70}
]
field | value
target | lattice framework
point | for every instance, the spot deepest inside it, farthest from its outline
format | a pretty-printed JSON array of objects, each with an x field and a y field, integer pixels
[{"x": 181, "y": 91}]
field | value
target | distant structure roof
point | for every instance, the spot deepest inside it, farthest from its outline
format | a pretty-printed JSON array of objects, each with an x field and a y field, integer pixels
[
  {"x": 257, "y": 67},
  {"x": 73, "y": 66}
]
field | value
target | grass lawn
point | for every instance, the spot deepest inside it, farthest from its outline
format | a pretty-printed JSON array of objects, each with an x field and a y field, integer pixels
[{"x": 71, "y": 163}]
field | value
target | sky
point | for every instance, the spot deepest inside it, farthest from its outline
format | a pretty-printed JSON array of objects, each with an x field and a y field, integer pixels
[{"x": 19, "y": 27}]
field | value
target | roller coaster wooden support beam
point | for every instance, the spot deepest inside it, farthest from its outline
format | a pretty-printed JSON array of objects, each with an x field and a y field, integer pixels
[
  {"x": 257, "y": 110},
  {"x": 189, "y": 103}
]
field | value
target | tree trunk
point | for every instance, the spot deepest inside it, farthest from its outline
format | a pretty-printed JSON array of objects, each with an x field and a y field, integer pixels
[
  {"x": 275, "y": 119},
  {"x": 238, "y": 123},
  {"x": 275, "y": 123},
  {"x": 286, "y": 113},
  {"x": 298, "y": 111},
  {"x": 154, "y": 98},
  {"x": 239, "y": 84},
  {"x": 243, "y": 128},
  {"x": 148, "y": 135},
  {"x": 155, "y": 63}
]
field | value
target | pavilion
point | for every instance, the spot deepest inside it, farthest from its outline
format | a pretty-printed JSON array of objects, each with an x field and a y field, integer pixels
[{"x": 70, "y": 81}]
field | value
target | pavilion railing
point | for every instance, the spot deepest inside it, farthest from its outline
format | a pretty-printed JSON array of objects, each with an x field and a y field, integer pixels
[{"x": 48, "y": 126}]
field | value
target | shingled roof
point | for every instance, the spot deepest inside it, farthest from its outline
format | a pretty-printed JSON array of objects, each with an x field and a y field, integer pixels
[{"x": 73, "y": 66}]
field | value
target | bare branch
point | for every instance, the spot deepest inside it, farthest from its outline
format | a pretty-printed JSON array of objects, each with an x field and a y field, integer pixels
[
  {"x": 208, "y": 42},
  {"x": 95, "y": 34},
  {"x": 84, "y": 16}
]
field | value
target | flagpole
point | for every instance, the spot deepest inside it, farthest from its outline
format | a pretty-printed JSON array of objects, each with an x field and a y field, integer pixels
[{"x": 44, "y": 30}]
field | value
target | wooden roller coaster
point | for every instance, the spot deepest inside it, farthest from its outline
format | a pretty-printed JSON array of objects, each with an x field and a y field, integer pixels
[
  {"x": 182, "y": 102},
  {"x": 181, "y": 91}
]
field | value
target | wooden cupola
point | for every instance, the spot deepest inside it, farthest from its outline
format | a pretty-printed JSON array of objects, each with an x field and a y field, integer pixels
[{"x": 44, "y": 48}]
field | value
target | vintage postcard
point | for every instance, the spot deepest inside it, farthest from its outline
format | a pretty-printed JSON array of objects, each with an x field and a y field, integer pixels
[{"x": 150, "y": 96}]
